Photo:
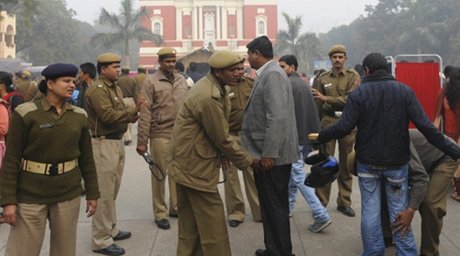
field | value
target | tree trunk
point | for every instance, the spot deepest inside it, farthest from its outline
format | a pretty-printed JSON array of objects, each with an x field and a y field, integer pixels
[{"x": 127, "y": 52}]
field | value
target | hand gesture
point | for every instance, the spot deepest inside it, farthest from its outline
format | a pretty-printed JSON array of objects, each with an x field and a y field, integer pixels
[{"x": 402, "y": 221}]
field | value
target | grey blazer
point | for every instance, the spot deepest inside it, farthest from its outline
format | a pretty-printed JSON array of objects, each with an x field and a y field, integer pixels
[{"x": 269, "y": 125}]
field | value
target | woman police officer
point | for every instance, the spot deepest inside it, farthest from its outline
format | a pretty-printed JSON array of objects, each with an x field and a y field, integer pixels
[{"x": 48, "y": 152}]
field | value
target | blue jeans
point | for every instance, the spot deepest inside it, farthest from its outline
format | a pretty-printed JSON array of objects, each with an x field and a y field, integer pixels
[
  {"x": 297, "y": 182},
  {"x": 396, "y": 189}
]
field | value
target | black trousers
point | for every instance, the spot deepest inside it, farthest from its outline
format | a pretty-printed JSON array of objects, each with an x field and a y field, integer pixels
[{"x": 272, "y": 187}]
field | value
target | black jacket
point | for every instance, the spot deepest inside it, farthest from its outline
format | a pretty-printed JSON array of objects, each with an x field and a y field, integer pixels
[
  {"x": 306, "y": 114},
  {"x": 382, "y": 108}
]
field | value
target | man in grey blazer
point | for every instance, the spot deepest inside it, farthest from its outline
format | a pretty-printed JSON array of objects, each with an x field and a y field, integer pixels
[{"x": 269, "y": 133}]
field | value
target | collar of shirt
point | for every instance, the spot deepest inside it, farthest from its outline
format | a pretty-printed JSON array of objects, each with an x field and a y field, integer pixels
[
  {"x": 162, "y": 76},
  {"x": 47, "y": 106},
  {"x": 341, "y": 72},
  {"x": 261, "y": 69},
  {"x": 106, "y": 81}
]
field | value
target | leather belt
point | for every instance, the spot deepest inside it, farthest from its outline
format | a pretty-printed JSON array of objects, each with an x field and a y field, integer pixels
[
  {"x": 335, "y": 114},
  {"x": 113, "y": 136},
  {"x": 384, "y": 167},
  {"x": 49, "y": 169}
]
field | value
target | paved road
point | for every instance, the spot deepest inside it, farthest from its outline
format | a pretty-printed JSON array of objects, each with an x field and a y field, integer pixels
[{"x": 134, "y": 210}]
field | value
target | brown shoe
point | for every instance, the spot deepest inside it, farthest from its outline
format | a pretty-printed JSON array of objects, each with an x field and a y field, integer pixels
[{"x": 456, "y": 194}]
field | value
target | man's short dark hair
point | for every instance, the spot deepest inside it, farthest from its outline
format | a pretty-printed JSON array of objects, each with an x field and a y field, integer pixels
[
  {"x": 315, "y": 72},
  {"x": 192, "y": 66},
  {"x": 375, "y": 61},
  {"x": 263, "y": 45},
  {"x": 359, "y": 69},
  {"x": 290, "y": 60},
  {"x": 180, "y": 66},
  {"x": 448, "y": 70},
  {"x": 100, "y": 65},
  {"x": 88, "y": 68}
]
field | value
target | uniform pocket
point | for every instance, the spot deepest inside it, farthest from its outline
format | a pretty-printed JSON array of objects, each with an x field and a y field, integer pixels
[{"x": 204, "y": 163}]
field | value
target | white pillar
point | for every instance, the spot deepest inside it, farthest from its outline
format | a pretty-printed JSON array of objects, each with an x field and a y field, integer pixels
[
  {"x": 194, "y": 25},
  {"x": 200, "y": 22},
  {"x": 178, "y": 24},
  {"x": 218, "y": 36},
  {"x": 224, "y": 23},
  {"x": 239, "y": 23}
]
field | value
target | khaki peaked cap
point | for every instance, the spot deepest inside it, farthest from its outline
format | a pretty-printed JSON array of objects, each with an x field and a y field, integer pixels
[
  {"x": 108, "y": 58},
  {"x": 167, "y": 51},
  {"x": 337, "y": 49},
  {"x": 141, "y": 67},
  {"x": 125, "y": 68},
  {"x": 26, "y": 73},
  {"x": 224, "y": 59}
]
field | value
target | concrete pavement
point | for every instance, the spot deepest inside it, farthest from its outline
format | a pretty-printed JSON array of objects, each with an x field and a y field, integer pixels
[{"x": 134, "y": 209}]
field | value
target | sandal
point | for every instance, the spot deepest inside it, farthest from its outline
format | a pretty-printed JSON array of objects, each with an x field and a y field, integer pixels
[{"x": 456, "y": 194}]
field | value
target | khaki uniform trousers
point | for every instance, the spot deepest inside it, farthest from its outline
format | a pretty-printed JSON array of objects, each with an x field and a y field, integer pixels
[
  {"x": 234, "y": 201},
  {"x": 27, "y": 237},
  {"x": 109, "y": 156},
  {"x": 129, "y": 103},
  {"x": 345, "y": 179},
  {"x": 159, "y": 152},
  {"x": 433, "y": 208},
  {"x": 202, "y": 227}
]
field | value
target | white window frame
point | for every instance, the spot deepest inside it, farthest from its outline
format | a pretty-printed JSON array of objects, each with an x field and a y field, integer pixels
[
  {"x": 261, "y": 18},
  {"x": 157, "y": 19}
]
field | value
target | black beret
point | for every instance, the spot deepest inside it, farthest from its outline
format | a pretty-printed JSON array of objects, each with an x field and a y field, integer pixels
[{"x": 55, "y": 71}]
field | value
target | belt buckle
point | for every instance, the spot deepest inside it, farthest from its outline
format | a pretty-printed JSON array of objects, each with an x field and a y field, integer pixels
[{"x": 53, "y": 170}]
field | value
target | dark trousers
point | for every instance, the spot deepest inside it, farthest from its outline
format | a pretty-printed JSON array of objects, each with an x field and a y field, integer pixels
[{"x": 273, "y": 188}]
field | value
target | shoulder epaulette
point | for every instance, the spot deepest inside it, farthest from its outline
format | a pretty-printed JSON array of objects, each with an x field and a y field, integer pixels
[{"x": 25, "y": 108}]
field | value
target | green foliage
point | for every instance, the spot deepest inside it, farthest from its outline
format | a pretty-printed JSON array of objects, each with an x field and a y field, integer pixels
[
  {"x": 126, "y": 26},
  {"x": 304, "y": 46},
  {"x": 395, "y": 27}
]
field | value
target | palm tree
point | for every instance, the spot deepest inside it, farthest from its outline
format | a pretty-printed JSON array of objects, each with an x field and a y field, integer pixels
[
  {"x": 127, "y": 26},
  {"x": 418, "y": 28},
  {"x": 290, "y": 41}
]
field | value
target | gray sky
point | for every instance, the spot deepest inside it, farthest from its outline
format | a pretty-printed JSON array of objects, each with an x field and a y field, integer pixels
[{"x": 318, "y": 16}]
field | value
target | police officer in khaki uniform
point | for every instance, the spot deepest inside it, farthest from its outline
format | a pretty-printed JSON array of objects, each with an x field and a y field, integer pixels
[
  {"x": 129, "y": 91},
  {"x": 108, "y": 121},
  {"x": 331, "y": 95},
  {"x": 234, "y": 201},
  {"x": 25, "y": 87},
  {"x": 164, "y": 92},
  {"x": 200, "y": 137},
  {"x": 140, "y": 77}
]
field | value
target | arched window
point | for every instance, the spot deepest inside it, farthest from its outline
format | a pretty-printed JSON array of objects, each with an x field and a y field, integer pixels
[
  {"x": 157, "y": 25},
  {"x": 261, "y": 25},
  {"x": 261, "y": 28},
  {"x": 157, "y": 28}
]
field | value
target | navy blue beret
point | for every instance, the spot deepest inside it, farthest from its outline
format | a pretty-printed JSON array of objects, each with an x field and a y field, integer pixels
[
  {"x": 59, "y": 70},
  {"x": 55, "y": 71}
]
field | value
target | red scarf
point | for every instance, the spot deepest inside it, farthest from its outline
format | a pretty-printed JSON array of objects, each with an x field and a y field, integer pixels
[{"x": 9, "y": 95}]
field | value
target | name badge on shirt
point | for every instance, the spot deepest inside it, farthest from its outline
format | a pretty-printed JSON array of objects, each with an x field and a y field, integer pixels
[
  {"x": 327, "y": 85},
  {"x": 231, "y": 94},
  {"x": 116, "y": 98},
  {"x": 45, "y": 126}
]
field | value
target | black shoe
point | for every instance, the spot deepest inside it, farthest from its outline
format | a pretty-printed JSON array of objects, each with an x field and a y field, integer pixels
[
  {"x": 260, "y": 252},
  {"x": 128, "y": 142},
  {"x": 163, "y": 224},
  {"x": 122, "y": 235},
  {"x": 346, "y": 210},
  {"x": 112, "y": 249},
  {"x": 234, "y": 223},
  {"x": 173, "y": 215},
  {"x": 388, "y": 241}
]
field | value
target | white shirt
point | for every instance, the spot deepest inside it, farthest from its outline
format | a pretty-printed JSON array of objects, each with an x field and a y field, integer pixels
[{"x": 261, "y": 69}]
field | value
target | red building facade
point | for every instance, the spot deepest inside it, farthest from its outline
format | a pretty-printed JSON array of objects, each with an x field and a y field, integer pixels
[{"x": 188, "y": 25}]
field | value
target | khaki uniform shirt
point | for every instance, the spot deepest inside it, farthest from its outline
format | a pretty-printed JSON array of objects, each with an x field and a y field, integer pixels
[
  {"x": 200, "y": 136},
  {"x": 107, "y": 113},
  {"x": 140, "y": 78},
  {"x": 22, "y": 87},
  {"x": 336, "y": 89},
  {"x": 128, "y": 87},
  {"x": 239, "y": 96},
  {"x": 164, "y": 98}
]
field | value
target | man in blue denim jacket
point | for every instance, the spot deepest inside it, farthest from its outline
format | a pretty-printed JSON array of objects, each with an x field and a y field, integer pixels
[{"x": 382, "y": 108}]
